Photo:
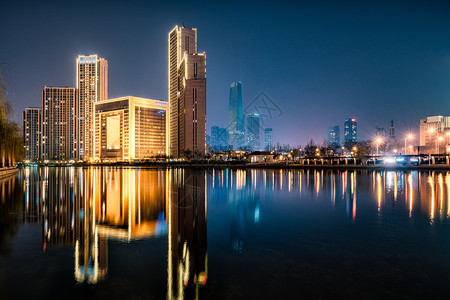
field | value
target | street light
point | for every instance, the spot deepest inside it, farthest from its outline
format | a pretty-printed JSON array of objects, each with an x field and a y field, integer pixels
[
  {"x": 409, "y": 136},
  {"x": 378, "y": 142}
]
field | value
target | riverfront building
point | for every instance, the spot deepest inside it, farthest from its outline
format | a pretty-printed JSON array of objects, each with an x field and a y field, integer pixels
[
  {"x": 31, "y": 125},
  {"x": 219, "y": 139},
  {"x": 130, "y": 128},
  {"x": 268, "y": 139},
  {"x": 334, "y": 135},
  {"x": 253, "y": 129},
  {"x": 236, "y": 125},
  {"x": 58, "y": 123},
  {"x": 433, "y": 130},
  {"x": 187, "y": 93},
  {"x": 92, "y": 86},
  {"x": 350, "y": 130}
]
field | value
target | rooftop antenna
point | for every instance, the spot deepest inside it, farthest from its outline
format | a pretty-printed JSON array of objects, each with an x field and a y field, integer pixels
[{"x": 183, "y": 24}]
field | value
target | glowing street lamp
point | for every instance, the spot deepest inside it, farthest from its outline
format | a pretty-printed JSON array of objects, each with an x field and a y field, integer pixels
[
  {"x": 378, "y": 143},
  {"x": 408, "y": 137}
]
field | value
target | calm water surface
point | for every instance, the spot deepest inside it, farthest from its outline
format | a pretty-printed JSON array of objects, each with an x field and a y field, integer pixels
[{"x": 227, "y": 234}]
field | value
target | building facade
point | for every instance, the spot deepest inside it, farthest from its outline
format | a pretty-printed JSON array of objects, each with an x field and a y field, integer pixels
[
  {"x": 92, "y": 86},
  {"x": 350, "y": 130},
  {"x": 434, "y": 130},
  {"x": 253, "y": 132},
  {"x": 236, "y": 121},
  {"x": 31, "y": 126},
  {"x": 334, "y": 135},
  {"x": 219, "y": 138},
  {"x": 268, "y": 139},
  {"x": 187, "y": 93},
  {"x": 58, "y": 123},
  {"x": 130, "y": 128},
  {"x": 380, "y": 132}
]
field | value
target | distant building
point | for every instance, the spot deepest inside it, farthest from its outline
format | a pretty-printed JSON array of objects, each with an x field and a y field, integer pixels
[
  {"x": 236, "y": 125},
  {"x": 392, "y": 131},
  {"x": 130, "y": 128},
  {"x": 334, "y": 135},
  {"x": 187, "y": 93},
  {"x": 58, "y": 123},
  {"x": 31, "y": 125},
  {"x": 431, "y": 129},
  {"x": 219, "y": 139},
  {"x": 253, "y": 132},
  {"x": 268, "y": 139},
  {"x": 92, "y": 86},
  {"x": 350, "y": 130},
  {"x": 380, "y": 132}
]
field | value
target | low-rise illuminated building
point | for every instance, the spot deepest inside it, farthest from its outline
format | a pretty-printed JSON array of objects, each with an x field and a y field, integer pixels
[{"x": 130, "y": 128}]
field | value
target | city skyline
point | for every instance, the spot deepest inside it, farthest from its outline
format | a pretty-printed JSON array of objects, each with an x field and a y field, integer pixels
[{"x": 383, "y": 58}]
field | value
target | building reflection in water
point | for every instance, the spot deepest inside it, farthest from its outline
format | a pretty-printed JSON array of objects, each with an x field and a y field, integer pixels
[
  {"x": 187, "y": 259},
  {"x": 84, "y": 208}
]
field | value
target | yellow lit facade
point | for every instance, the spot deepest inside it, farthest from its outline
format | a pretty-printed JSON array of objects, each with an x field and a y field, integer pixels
[{"x": 130, "y": 128}]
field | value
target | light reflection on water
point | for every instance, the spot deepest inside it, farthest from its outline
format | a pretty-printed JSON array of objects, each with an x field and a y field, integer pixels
[{"x": 87, "y": 209}]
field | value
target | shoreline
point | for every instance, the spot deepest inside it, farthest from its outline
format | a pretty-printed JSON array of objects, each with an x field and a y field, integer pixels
[
  {"x": 7, "y": 172},
  {"x": 249, "y": 166}
]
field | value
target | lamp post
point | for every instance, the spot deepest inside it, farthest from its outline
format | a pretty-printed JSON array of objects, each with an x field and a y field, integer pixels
[
  {"x": 409, "y": 136},
  {"x": 378, "y": 142}
]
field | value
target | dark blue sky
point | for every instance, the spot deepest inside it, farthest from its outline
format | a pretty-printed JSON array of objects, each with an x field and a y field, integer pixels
[{"x": 319, "y": 62}]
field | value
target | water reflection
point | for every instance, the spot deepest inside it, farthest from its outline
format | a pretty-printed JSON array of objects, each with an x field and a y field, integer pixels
[{"x": 86, "y": 209}]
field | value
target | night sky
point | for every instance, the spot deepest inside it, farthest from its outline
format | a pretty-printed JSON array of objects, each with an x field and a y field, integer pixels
[{"x": 318, "y": 62}]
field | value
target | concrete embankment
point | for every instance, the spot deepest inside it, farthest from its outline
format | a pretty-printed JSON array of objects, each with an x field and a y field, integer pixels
[{"x": 7, "y": 172}]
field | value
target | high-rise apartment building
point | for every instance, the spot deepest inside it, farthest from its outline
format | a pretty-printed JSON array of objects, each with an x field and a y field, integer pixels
[
  {"x": 31, "y": 125},
  {"x": 334, "y": 135},
  {"x": 268, "y": 139},
  {"x": 219, "y": 138},
  {"x": 236, "y": 125},
  {"x": 187, "y": 93},
  {"x": 58, "y": 123},
  {"x": 130, "y": 128},
  {"x": 92, "y": 86},
  {"x": 253, "y": 130},
  {"x": 350, "y": 130}
]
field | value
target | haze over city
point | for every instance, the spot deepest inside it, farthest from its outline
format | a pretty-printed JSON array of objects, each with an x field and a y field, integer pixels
[{"x": 320, "y": 64}]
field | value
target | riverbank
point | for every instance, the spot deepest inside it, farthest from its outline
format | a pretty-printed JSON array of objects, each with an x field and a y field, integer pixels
[
  {"x": 243, "y": 165},
  {"x": 7, "y": 172}
]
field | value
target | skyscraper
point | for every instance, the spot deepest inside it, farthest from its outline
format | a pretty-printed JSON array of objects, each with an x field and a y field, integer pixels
[
  {"x": 253, "y": 129},
  {"x": 268, "y": 139},
  {"x": 219, "y": 138},
  {"x": 350, "y": 130},
  {"x": 334, "y": 135},
  {"x": 58, "y": 123},
  {"x": 92, "y": 86},
  {"x": 187, "y": 93},
  {"x": 392, "y": 131},
  {"x": 236, "y": 125},
  {"x": 31, "y": 125}
]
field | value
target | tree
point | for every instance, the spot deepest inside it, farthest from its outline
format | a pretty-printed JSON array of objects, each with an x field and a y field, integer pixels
[
  {"x": 10, "y": 138},
  {"x": 310, "y": 148}
]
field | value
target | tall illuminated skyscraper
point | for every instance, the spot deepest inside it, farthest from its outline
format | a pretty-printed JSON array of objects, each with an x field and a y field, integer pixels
[
  {"x": 58, "y": 123},
  {"x": 92, "y": 86},
  {"x": 253, "y": 130},
  {"x": 268, "y": 139},
  {"x": 31, "y": 126},
  {"x": 187, "y": 93},
  {"x": 334, "y": 135},
  {"x": 350, "y": 130},
  {"x": 236, "y": 125}
]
